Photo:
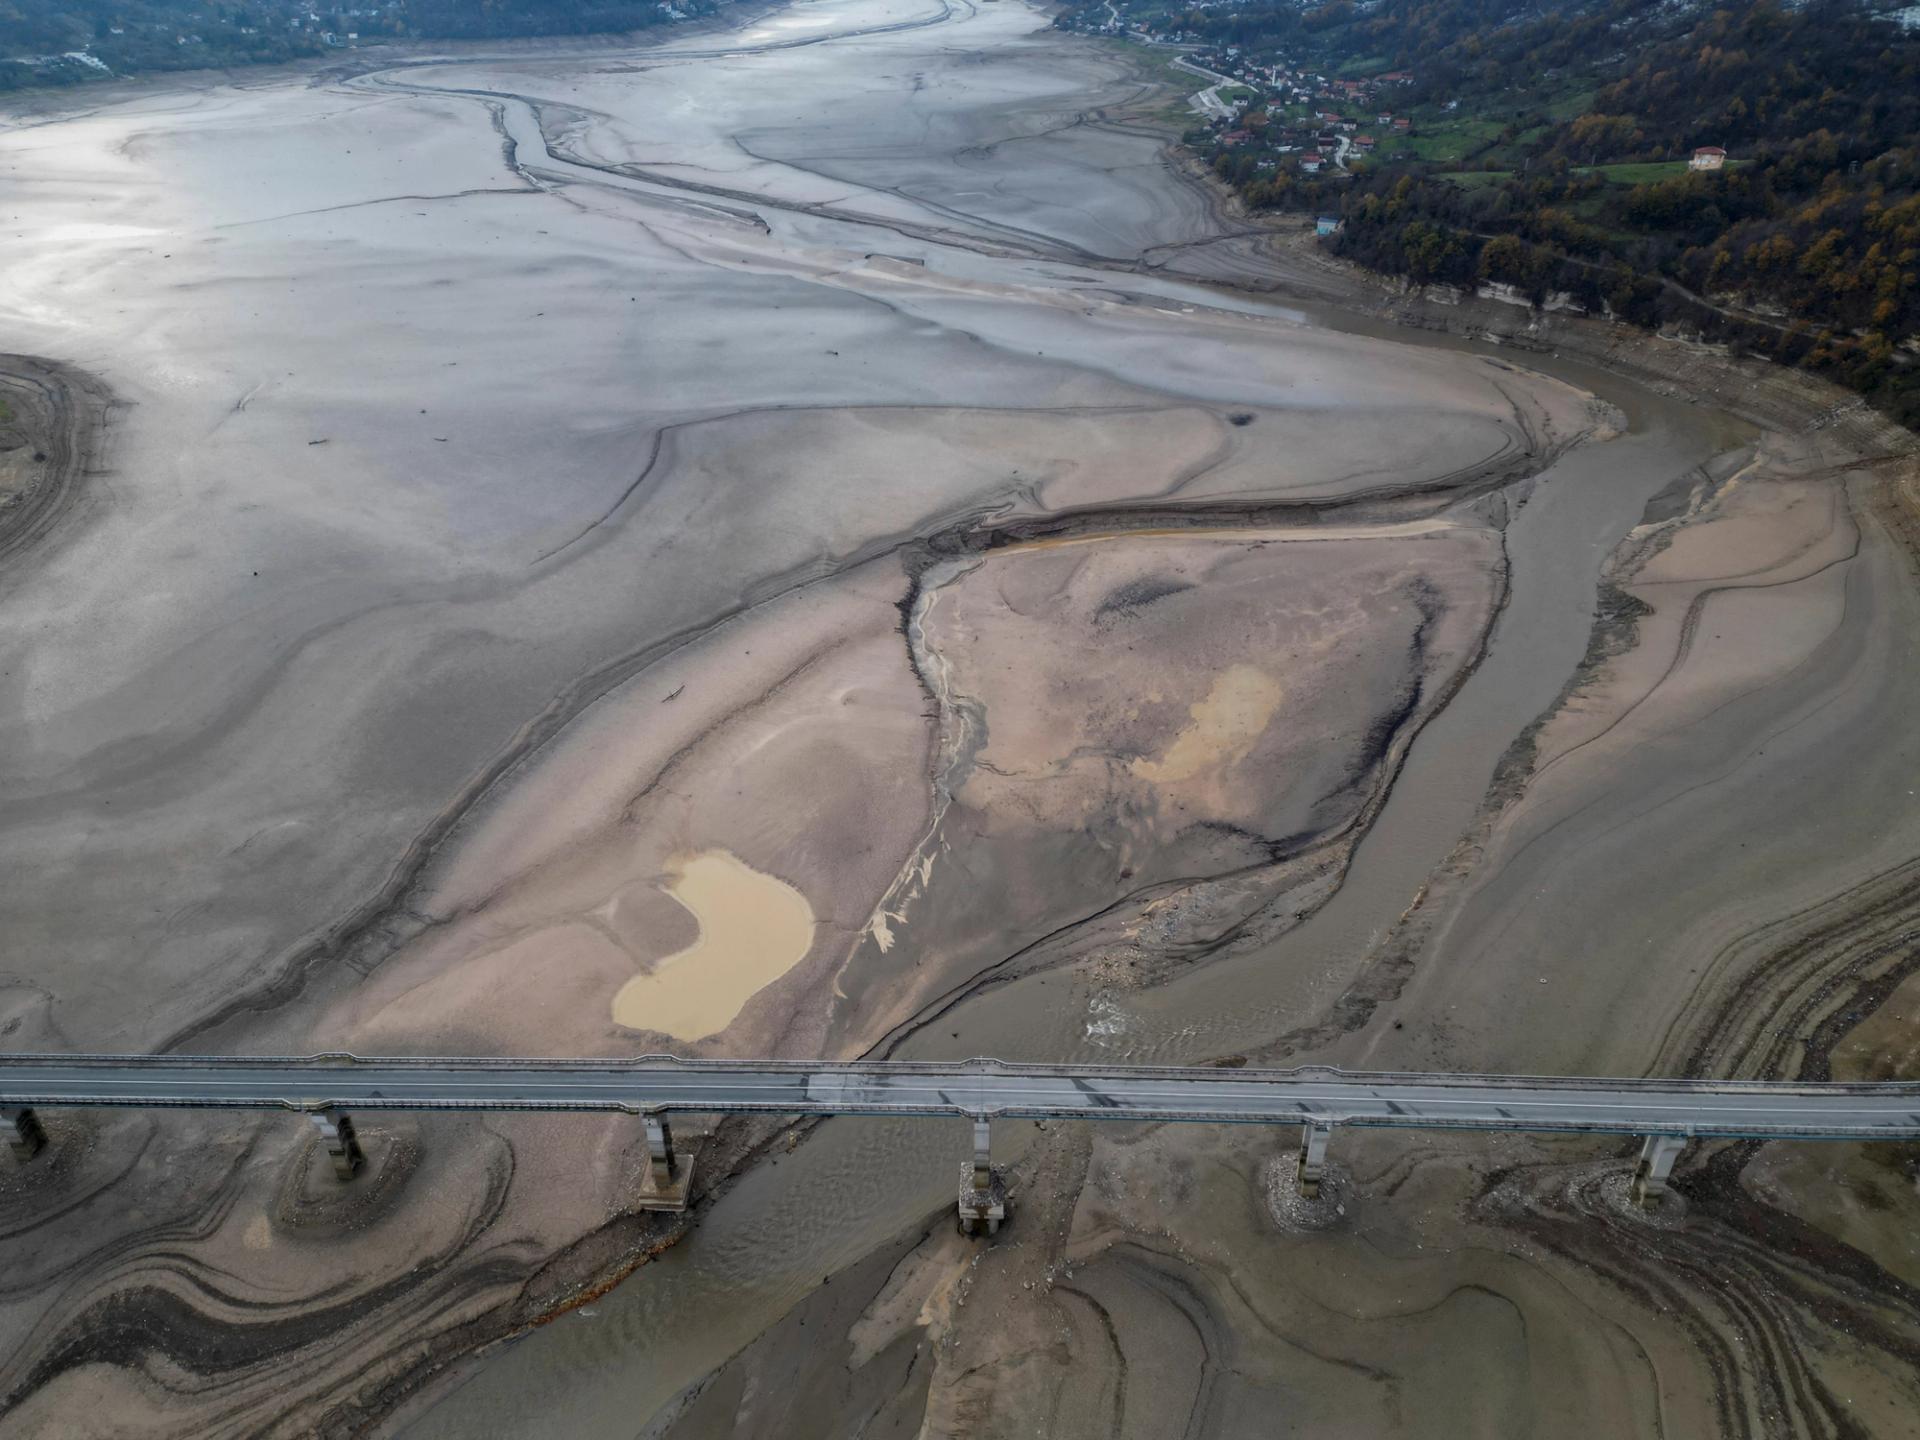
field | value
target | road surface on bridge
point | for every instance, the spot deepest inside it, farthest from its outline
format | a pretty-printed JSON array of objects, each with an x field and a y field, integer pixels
[{"x": 662, "y": 1085}]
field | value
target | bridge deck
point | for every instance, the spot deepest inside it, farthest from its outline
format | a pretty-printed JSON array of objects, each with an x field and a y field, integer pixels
[{"x": 665, "y": 1084}]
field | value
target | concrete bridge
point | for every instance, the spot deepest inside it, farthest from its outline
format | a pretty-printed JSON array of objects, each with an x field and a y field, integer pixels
[{"x": 327, "y": 1088}]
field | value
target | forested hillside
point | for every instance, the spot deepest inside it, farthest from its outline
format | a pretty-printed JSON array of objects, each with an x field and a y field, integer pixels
[
  {"x": 63, "y": 42},
  {"x": 1549, "y": 149}
]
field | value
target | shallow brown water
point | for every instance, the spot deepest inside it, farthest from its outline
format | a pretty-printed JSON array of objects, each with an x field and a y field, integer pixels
[{"x": 753, "y": 929}]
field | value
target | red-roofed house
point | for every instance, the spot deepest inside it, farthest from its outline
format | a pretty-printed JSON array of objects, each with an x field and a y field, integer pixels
[{"x": 1707, "y": 157}]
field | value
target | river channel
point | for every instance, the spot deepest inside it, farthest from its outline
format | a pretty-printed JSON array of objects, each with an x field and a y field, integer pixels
[{"x": 852, "y": 1185}]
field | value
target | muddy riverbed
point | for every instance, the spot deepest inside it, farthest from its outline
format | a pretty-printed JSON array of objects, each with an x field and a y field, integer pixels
[{"x": 788, "y": 541}]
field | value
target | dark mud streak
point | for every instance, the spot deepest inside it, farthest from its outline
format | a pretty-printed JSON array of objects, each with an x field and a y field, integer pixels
[
  {"x": 1835, "y": 962},
  {"x": 1147, "y": 1271},
  {"x": 1281, "y": 1334},
  {"x": 1034, "y": 243},
  {"x": 133, "y": 1325},
  {"x": 519, "y": 191},
  {"x": 1130, "y": 599},
  {"x": 653, "y": 459},
  {"x": 57, "y": 1167},
  {"x": 1650, "y": 1287},
  {"x": 1377, "y": 744},
  {"x": 1118, "y": 1424},
  {"x": 66, "y": 415},
  {"x": 1739, "y": 1277},
  {"x": 128, "y": 1254}
]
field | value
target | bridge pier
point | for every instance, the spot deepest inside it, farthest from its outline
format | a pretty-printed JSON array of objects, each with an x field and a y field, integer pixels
[
  {"x": 983, "y": 1189},
  {"x": 669, "y": 1178},
  {"x": 1315, "y": 1135},
  {"x": 336, "y": 1133},
  {"x": 27, "y": 1138},
  {"x": 1657, "y": 1155},
  {"x": 660, "y": 1151}
]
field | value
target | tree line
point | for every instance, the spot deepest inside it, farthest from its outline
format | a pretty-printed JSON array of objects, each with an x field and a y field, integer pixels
[
  {"x": 131, "y": 37},
  {"x": 1806, "y": 248}
]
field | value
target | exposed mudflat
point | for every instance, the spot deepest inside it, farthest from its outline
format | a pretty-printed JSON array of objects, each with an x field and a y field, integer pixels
[
  {"x": 54, "y": 423},
  {"x": 763, "y": 544}
]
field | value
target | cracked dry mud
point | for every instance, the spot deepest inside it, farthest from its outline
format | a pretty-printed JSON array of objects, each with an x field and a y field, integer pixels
[{"x": 482, "y": 492}]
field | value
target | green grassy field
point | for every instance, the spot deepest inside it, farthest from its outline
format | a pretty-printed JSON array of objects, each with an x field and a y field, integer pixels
[
  {"x": 1571, "y": 103},
  {"x": 1449, "y": 137},
  {"x": 1154, "y": 64},
  {"x": 1450, "y": 140},
  {"x": 1642, "y": 174}
]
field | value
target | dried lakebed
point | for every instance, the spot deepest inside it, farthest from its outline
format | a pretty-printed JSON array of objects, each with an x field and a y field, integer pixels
[{"x": 557, "y": 495}]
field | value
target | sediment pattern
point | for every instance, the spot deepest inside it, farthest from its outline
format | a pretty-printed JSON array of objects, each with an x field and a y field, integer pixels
[
  {"x": 53, "y": 435},
  {"x": 666, "y": 457}
]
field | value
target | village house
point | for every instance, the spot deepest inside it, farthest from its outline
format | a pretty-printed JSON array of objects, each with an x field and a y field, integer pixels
[{"x": 1707, "y": 157}]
